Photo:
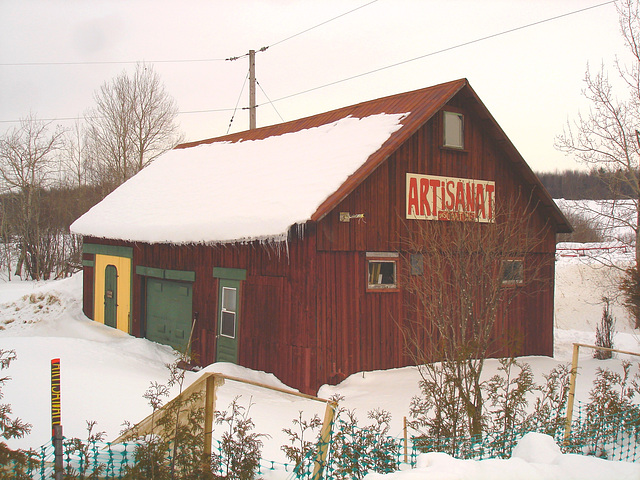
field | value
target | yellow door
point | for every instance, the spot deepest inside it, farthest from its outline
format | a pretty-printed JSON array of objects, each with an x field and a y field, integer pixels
[{"x": 122, "y": 291}]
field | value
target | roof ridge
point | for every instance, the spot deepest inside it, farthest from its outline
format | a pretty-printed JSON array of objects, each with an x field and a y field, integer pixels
[{"x": 323, "y": 118}]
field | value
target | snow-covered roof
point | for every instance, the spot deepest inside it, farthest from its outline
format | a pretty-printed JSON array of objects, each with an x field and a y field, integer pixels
[
  {"x": 255, "y": 185},
  {"x": 223, "y": 191}
]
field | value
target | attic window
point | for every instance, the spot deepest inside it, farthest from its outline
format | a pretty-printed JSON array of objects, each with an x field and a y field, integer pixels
[
  {"x": 453, "y": 127},
  {"x": 382, "y": 271}
]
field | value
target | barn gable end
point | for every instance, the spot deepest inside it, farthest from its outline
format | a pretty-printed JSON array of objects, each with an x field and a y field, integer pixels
[{"x": 299, "y": 304}]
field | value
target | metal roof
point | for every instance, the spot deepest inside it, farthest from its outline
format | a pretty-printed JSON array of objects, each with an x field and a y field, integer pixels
[{"x": 420, "y": 106}]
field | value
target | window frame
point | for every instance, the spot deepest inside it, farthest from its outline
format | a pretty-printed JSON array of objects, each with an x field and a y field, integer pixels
[
  {"x": 445, "y": 115},
  {"x": 382, "y": 257},
  {"x": 224, "y": 310},
  {"x": 512, "y": 282}
]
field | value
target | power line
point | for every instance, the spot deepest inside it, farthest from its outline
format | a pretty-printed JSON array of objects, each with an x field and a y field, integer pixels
[
  {"x": 303, "y": 31},
  {"x": 238, "y": 102},
  {"x": 193, "y": 60},
  {"x": 123, "y": 62},
  {"x": 459, "y": 45},
  {"x": 321, "y": 24},
  {"x": 267, "y": 96},
  {"x": 81, "y": 117}
]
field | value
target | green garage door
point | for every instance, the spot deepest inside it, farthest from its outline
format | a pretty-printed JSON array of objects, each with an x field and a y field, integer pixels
[{"x": 169, "y": 312}]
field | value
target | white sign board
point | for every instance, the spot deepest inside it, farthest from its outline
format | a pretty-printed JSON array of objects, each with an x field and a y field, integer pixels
[{"x": 430, "y": 197}]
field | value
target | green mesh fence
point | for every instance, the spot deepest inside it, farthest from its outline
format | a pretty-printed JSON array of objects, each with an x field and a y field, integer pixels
[
  {"x": 613, "y": 437},
  {"x": 353, "y": 452},
  {"x": 93, "y": 460}
]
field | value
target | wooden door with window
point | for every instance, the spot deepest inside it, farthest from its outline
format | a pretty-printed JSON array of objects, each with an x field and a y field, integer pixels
[{"x": 228, "y": 320}]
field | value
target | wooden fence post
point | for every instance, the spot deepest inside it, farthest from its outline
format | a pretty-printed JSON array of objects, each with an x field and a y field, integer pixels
[
  {"x": 325, "y": 437},
  {"x": 404, "y": 427},
  {"x": 212, "y": 384},
  {"x": 572, "y": 392}
]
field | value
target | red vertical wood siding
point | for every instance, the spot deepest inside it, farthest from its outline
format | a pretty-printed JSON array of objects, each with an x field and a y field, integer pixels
[{"x": 306, "y": 315}]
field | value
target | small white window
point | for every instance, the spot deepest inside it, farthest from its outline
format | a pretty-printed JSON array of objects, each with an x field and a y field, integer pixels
[
  {"x": 453, "y": 130},
  {"x": 228, "y": 312}
]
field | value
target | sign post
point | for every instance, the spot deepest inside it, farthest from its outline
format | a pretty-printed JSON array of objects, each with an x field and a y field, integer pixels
[{"x": 56, "y": 419}]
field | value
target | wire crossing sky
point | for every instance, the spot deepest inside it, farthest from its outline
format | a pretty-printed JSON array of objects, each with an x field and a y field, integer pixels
[{"x": 526, "y": 60}]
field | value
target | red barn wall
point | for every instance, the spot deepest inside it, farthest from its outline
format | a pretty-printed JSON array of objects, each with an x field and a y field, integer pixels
[
  {"x": 277, "y": 319},
  {"x": 306, "y": 314},
  {"x": 359, "y": 330}
]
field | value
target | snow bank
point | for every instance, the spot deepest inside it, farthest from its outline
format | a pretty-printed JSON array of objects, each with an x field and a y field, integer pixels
[
  {"x": 105, "y": 372},
  {"x": 536, "y": 457}
]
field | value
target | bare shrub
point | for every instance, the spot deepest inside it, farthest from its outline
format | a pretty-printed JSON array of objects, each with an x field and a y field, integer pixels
[
  {"x": 584, "y": 230},
  {"x": 471, "y": 274}
]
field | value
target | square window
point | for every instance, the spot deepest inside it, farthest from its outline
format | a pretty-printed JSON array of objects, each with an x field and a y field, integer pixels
[
  {"x": 228, "y": 324},
  {"x": 512, "y": 272},
  {"x": 382, "y": 274},
  {"x": 453, "y": 130},
  {"x": 229, "y": 299}
]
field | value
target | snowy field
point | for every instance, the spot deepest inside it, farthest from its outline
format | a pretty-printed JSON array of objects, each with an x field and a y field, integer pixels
[{"x": 105, "y": 372}]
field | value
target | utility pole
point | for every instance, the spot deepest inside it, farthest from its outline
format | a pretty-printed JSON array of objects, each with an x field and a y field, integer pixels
[{"x": 252, "y": 89}]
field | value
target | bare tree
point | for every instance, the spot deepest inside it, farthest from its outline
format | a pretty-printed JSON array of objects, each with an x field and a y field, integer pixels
[
  {"x": 74, "y": 156},
  {"x": 607, "y": 138},
  {"x": 132, "y": 123},
  {"x": 463, "y": 278},
  {"x": 27, "y": 165}
]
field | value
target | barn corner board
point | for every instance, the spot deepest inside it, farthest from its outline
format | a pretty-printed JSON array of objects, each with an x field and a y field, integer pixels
[{"x": 279, "y": 248}]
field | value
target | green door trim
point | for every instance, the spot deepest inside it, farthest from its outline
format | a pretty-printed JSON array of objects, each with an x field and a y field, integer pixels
[
  {"x": 181, "y": 275},
  {"x": 112, "y": 250},
  {"x": 230, "y": 273}
]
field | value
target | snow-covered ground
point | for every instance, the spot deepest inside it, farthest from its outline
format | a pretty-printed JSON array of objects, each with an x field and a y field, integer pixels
[{"x": 105, "y": 372}]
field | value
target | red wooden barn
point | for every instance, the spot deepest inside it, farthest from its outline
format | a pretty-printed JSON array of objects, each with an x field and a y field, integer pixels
[{"x": 277, "y": 248}]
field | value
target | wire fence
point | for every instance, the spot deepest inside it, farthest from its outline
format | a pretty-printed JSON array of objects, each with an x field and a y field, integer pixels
[
  {"x": 353, "y": 452},
  {"x": 612, "y": 437}
]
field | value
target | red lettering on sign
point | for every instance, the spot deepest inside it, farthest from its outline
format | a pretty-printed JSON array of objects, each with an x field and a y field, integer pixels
[
  {"x": 471, "y": 197},
  {"x": 434, "y": 188},
  {"x": 480, "y": 201},
  {"x": 460, "y": 196},
  {"x": 424, "y": 203},
  {"x": 455, "y": 199},
  {"x": 451, "y": 198},
  {"x": 412, "y": 202}
]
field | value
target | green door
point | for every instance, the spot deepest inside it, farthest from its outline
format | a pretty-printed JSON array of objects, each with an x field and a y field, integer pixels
[
  {"x": 111, "y": 296},
  {"x": 228, "y": 321},
  {"x": 169, "y": 312}
]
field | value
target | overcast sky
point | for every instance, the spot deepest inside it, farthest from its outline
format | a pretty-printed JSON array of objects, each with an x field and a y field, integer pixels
[{"x": 530, "y": 79}]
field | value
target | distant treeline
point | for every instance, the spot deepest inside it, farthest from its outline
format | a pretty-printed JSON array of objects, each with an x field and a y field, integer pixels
[
  {"x": 593, "y": 185},
  {"x": 54, "y": 208},
  {"x": 34, "y": 230}
]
